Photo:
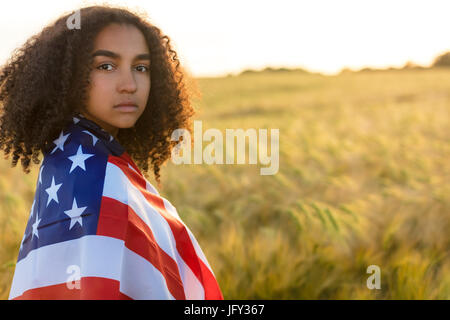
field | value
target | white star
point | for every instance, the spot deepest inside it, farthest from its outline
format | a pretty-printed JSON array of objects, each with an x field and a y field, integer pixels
[
  {"x": 32, "y": 207},
  {"x": 129, "y": 165},
  {"x": 60, "y": 142},
  {"x": 78, "y": 159},
  {"x": 110, "y": 138},
  {"x": 75, "y": 214},
  {"x": 52, "y": 190},
  {"x": 23, "y": 239},
  {"x": 40, "y": 174},
  {"x": 75, "y": 120},
  {"x": 35, "y": 226},
  {"x": 24, "y": 235},
  {"x": 94, "y": 138}
]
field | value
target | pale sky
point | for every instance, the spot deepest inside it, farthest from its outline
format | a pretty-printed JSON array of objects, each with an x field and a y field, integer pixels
[{"x": 213, "y": 38}]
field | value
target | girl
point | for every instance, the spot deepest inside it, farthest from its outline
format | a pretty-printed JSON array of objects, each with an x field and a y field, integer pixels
[{"x": 99, "y": 101}]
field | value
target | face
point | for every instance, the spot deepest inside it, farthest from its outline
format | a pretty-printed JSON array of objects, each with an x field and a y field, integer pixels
[{"x": 120, "y": 78}]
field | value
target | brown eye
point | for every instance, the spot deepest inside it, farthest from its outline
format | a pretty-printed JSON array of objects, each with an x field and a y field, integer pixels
[
  {"x": 142, "y": 68},
  {"x": 105, "y": 66}
]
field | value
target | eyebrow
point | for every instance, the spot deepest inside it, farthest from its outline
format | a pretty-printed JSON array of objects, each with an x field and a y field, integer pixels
[{"x": 107, "y": 53}]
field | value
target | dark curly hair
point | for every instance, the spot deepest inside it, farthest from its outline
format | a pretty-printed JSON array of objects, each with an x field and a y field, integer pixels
[{"x": 45, "y": 83}]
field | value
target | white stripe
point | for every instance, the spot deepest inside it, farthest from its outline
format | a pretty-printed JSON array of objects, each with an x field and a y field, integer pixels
[
  {"x": 199, "y": 251},
  {"x": 171, "y": 209},
  {"x": 193, "y": 289},
  {"x": 141, "y": 280},
  {"x": 190, "y": 279},
  {"x": 151, "y": 188},
  {"x": 118, "y": 187},
  {"x": 96, "y": 256}
]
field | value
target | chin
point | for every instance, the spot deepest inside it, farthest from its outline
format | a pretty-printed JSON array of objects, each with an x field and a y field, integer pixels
[{"x": 125, "y": 124}]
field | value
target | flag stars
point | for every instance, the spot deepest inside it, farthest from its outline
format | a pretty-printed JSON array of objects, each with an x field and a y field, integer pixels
[
  {"x": 52, "y": 191},
  {"x": 35, "y": 227},
  {"x": 94, "y": 138},
  {"x": 29, "y": 218},
  {"x": 60, "y": 142},
  {"x": 75, "y": 214},
  {"x": 40, "y": 174},
  {"x": 23, "y": 240},
  {"x": 32, "y": 207},
  {"x": 78, "y": 159}
]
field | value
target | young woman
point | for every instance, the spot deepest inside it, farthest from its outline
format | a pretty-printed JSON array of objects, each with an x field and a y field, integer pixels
[{"x": 99, "y": 102}]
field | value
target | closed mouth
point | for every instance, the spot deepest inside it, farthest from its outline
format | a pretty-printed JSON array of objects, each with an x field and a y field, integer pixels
[{"x": 126, "y": 105}]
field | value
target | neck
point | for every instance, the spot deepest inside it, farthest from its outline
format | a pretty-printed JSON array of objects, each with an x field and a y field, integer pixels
[{"x": 105, "y": 126}]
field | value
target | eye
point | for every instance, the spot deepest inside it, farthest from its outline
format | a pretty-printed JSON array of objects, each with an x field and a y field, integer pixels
[
  {"x": 105, "y": 66},
  {"x": 142, "y": 68}
]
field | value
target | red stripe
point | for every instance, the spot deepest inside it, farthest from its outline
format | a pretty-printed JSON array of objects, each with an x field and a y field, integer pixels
[
  {"x": 119, "y": 221},
  {"x": 90, "y": 288},
  {"x": 130, "y": 161},
  {"x": 183, "y": 241}
]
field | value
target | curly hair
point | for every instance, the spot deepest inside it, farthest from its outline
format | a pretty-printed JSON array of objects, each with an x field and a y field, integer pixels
[{"x": 45, "y": 83}]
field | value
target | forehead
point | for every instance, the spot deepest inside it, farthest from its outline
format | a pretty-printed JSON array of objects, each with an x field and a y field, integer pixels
[{"x": 121, "y": 38}]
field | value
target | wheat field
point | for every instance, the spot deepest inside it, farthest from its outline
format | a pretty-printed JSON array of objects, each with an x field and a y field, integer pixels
[{"x": 364, "y": 179}]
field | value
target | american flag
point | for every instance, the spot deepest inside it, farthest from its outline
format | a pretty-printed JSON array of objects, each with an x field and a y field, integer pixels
[{"x": 99, "y": 230}]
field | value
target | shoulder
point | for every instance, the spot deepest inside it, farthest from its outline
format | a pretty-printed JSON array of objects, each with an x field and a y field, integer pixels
[
  {"x": 75, "y": 167},
  {"x": 68, "y": 191},
  {"x": 76, "y": 156}
]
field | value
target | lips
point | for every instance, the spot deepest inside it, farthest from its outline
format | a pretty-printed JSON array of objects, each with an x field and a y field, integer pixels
[{"x": 127, "y": 106}]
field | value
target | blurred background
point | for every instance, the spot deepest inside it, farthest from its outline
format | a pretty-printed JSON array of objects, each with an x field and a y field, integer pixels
[{"x": 360, "y": 93}]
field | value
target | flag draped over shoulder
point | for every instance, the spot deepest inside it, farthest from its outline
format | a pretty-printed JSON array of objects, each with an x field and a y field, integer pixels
[{"x": 99, "y": 230}]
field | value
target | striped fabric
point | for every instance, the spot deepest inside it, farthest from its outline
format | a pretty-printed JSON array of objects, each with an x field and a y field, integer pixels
[{"x": 99, "y": 230}]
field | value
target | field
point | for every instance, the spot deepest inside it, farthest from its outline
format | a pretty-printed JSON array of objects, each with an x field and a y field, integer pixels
[{"x": 364, "y": 179}]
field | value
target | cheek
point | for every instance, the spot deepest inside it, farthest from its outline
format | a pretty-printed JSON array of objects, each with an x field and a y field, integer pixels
[
  {"x": 100, "y": 90},
  {"x": 145, "y": 85}
]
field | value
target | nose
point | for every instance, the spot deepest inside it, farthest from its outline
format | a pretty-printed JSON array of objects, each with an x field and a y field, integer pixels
[{"x": 126, "y": 83}]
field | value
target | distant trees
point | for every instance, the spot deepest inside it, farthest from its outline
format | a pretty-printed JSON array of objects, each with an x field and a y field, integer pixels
[
  {"x": 411, "y": 65},
  {"x": 443, "y": 60},
  {"x": 275, "y": 70}
]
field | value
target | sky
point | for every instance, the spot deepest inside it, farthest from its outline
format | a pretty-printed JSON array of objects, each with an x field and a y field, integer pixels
[{"x": 214, "y": 38}]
